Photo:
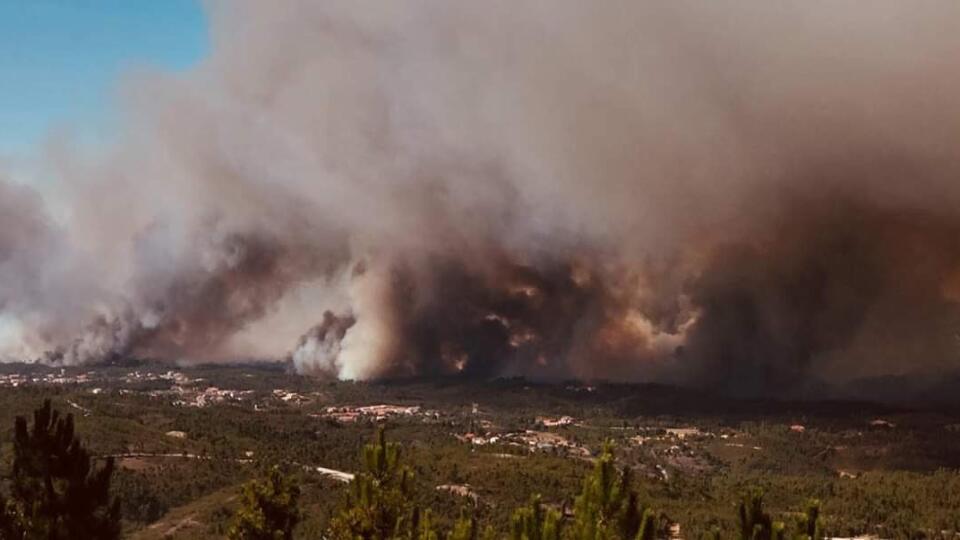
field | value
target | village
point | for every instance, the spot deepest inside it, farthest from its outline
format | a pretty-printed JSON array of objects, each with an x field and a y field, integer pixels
[{"x": 494, "y": 426}]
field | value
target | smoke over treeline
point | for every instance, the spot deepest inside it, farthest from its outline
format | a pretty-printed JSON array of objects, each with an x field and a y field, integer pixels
[{"x": 742, "y": 195}]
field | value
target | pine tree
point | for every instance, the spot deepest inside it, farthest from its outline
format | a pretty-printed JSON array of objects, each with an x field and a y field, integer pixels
[
  {"x": 268, "y": 509},
  {"x": 380, "y": 500},
  {"x": 755, "y": 523},
  {"x": 636, "y": 522},
  {"x": 467, "y": 528},
  {"x": 607, "y": 507},
  {"x": 420, "y": 527},
  {"x": 811, "y": 524},
  {"x": 532, "y": 522},
  {"x": 56, "y": 493}
]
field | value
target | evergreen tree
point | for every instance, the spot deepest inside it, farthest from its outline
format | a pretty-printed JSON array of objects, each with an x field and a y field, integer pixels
[
  {"x": 420, "y": 526},
  {"x": 532, "y": 522},
  {"x": 268, "y": 509},
  {"x": 755, "y": 523},
  {"x": 467, "y": 528},
  {"x": 380, "y": 500},
  {"x": 56, "y": 493},
  {"x": 607, "y": 507},
  {"x": 811, "y": 524},
  {"x": 464, "y": 529},
  {"x": 636, "y": 522}
]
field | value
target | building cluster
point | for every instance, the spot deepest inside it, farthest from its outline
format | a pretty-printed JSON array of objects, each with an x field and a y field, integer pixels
[
  {"x": 57, "y": 377},
  {"x": 349, "y": 414},
  {"x": 291, "y": 397},
  {"x": 177, "y": 387},
  {"x": 184, "y": 391},
  {"x": 674, "y": 435},
  {"x": 534, "y": 441},
  {"x": 196, "y": 397},
  {"x": 555, "y": 422},
  {"x": 174, "y": 377},
  {"x": 63, "y": 377}
]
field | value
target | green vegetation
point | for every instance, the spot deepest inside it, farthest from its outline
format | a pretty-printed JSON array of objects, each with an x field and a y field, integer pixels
[
  {"x": 268, "y": 509},
  {"x": 180, "y": 470},
  {"x": 379, "y": 507},
  {"x": 756, "y": 524},
  {"x": 532, "y": 522},
  {"x": 608, "y": 508},
  {"x": 54, "y": 492},
  {"x": 380, "y": 501}
]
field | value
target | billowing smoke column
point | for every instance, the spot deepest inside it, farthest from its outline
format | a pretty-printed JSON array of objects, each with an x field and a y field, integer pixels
[{"x": 743, "y": 196}]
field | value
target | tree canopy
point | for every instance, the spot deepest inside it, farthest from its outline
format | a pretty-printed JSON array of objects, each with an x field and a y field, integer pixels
[
  {"x": 55, "y": 492},
  {"x": 268, "y": 509}
]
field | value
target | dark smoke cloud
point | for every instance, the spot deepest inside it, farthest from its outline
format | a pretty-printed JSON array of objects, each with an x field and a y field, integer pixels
[
  {"x": 544, "y": 317},
  {"x": 747, "y": 196},
  {"x": 839, "y": 290}
]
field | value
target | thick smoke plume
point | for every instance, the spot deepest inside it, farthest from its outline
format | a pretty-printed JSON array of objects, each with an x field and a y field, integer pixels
[{"x": 741, "y": 195}]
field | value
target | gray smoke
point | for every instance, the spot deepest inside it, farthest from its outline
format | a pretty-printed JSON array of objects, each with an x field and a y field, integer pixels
[{"x": 742, "y": 195}]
